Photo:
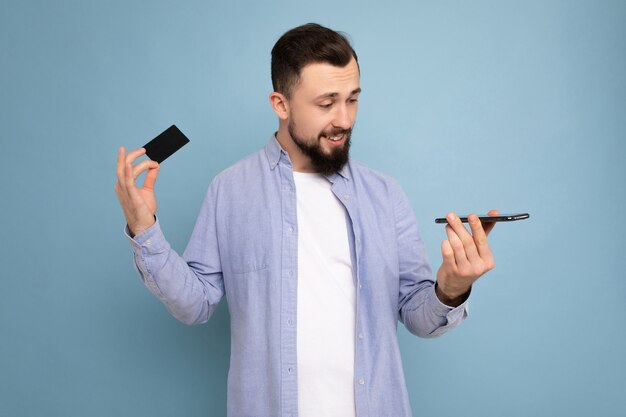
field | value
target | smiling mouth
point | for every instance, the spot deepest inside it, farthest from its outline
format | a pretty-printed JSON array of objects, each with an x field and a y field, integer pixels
[{"x": 335, "y": 138}]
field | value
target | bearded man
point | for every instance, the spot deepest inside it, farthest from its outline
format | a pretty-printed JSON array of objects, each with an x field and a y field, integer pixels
[{"x": 318, "y": 256}]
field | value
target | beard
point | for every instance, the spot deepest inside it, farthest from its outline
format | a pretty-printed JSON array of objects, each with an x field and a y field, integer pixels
[{"x": 324, "y": 163}]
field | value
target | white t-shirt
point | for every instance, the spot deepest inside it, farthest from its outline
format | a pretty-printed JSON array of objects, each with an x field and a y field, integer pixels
[{"x": 326, "y": 302}]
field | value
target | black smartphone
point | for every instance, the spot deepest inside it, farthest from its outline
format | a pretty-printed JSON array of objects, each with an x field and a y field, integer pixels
[
  {"x": 485, "y": 218},
  {"x": 165, "y": 144}
]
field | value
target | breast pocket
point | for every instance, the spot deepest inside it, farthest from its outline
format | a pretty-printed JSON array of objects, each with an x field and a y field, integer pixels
[{"x": 249, "y": 235}]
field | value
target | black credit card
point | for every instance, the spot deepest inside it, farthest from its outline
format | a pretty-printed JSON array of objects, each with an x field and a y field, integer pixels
[{"x": 164, "y": 145}]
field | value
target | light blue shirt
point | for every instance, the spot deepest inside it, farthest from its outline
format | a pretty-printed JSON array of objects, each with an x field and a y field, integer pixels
[{"x": 244, "y": 246}]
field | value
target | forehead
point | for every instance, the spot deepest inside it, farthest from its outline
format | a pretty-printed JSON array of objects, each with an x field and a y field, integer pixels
[{"x": 321, "y": 78}]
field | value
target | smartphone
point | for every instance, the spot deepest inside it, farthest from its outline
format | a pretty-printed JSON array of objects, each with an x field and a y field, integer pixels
[
  {"x": 165, "y": 144},
  {"x": 508, "y": 217}
]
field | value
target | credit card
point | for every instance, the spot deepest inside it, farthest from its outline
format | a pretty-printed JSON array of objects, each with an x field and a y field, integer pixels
[{"x": 165, "y": 144}]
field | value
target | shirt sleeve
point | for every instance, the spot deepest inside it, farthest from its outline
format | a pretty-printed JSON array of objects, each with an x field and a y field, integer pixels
[
  {"x": 420, "y": 310},
  {"x": 190, "y": 286}
]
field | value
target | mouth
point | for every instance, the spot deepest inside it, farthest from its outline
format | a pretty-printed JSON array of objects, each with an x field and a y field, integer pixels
[{"x": 335, "y": 139}]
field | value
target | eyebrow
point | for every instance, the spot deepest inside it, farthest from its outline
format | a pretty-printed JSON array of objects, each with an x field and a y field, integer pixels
[{"x": 333, "y": 95}]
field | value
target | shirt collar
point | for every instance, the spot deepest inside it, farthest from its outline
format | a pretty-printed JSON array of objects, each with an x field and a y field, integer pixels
[{"x": 273, "y": 151}]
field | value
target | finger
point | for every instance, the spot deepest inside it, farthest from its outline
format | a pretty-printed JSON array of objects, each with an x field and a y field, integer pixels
[
  {"x": 143, "y": 166},
  {"x": 447, "y": 254},
  {"x": 468, "y": 241},
  {"x": 134, "y": 198},
  {"x": 134, "y": 154},
  {"x": 458, "y": 249},
  {"x": 151, "y": 176},
  {"x": 488, "y": 226},
  {"x": 121, "y": 166},
  {"x": 480, "y": 237},
  {"x": 129, "y": 180}
]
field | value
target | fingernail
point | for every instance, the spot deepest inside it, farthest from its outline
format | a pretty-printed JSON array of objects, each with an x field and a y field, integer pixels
[{"x": 451, "y": 216}]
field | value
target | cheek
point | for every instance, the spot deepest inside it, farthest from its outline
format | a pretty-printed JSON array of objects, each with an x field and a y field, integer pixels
[
  {"x": 353, "y": 113},
  {"x": 314, "y": 124}
]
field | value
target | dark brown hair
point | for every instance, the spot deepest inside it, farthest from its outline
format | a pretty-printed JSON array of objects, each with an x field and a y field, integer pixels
[{"x": 303, "y": 45}]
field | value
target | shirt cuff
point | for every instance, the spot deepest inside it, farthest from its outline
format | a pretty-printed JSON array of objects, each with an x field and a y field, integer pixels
[
  {"x": 151, "y": 240},
  {"x": 150, "y": 251},
  {"x": 452, "y": 314}
]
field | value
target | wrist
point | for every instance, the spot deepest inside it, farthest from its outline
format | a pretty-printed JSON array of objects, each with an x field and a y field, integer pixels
[
  {"x": 452, "y": 298},
  {"x": 136, "y": 229}
]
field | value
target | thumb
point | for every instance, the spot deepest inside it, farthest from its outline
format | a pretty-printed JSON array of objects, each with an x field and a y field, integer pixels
[{"x": 151, "y": 175}]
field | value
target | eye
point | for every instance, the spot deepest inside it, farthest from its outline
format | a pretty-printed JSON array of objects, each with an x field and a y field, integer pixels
[
  {"x": 325, "y": 106},
  {"x": 353, "y": 100}
]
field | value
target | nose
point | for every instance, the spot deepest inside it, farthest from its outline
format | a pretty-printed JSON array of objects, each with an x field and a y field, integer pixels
[{"x": 342, "y": 118}]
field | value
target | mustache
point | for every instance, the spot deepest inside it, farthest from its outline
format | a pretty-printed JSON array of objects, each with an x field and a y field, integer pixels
[{"x": 336, "y": 132}]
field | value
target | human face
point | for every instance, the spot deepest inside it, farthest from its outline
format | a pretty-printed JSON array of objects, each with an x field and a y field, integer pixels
[{"x": 322, "y": 112}]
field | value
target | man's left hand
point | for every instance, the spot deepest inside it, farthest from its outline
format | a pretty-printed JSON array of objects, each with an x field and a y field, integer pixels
[{"x": 466, "y": 257}]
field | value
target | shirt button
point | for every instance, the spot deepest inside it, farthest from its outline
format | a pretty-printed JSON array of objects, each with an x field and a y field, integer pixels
[
  {"x": 290, "y": 229},
  {"x": 289, "y": 322},
  {"x": 148, "y": 242},
  {"x": 362, "y": 381},
  {"x": 289, "y": 370},
  {"x": 346, "y": 196},
  {"x": 360, "y": 286},
  {"x": 360, "y": 335}
]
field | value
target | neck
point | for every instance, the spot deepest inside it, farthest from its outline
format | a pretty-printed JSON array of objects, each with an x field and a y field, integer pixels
[{"x": 299, "y": 161}]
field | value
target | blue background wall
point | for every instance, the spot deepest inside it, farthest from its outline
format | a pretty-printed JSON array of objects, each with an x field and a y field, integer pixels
[{"x": 471, "y": 105}]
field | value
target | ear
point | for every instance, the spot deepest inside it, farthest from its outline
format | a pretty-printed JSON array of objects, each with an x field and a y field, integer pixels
[{"x": 280, "y": 105}]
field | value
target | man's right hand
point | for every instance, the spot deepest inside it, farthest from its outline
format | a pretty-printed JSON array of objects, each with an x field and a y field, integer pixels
[{"x": 139, "y": 204}]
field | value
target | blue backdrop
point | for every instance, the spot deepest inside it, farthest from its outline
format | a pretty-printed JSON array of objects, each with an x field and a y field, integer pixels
[{"x": 471, "y": 105}]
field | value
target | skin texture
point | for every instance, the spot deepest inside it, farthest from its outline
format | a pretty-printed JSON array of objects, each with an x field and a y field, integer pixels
[{"x": 324, "y": 103}]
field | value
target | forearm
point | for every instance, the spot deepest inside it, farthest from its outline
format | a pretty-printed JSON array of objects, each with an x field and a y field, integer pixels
[{"x": 189, "y": 296}]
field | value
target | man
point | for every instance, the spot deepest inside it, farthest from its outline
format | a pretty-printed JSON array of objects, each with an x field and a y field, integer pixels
[{"x": 318, "y": 256}]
